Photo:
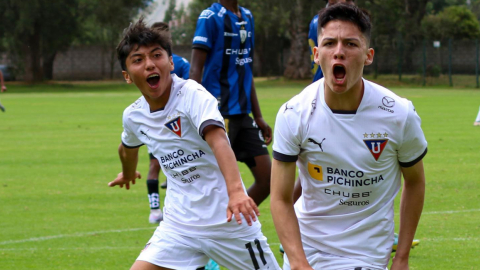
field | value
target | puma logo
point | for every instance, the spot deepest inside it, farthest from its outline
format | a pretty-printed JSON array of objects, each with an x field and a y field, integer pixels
[
  {"x": 315, "y": 142},
  {"x": 287, "y": 108},
  {"x": 145, "y": 134}
]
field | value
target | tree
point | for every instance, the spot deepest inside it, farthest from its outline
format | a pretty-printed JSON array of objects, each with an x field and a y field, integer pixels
[
  {"x": 456, "y": 22},
  {"x": 106, "y": 22},
  {"x": 41, "y": 28}
]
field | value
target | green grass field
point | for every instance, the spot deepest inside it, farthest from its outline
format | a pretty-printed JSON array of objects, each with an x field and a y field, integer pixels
[{"x": 58, "y": 151}]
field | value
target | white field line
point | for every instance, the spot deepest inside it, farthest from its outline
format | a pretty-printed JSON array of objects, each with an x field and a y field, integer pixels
[{"x": 43, "y": 238}]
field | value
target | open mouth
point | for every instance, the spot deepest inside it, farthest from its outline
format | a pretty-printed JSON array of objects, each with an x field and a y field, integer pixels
[
  {"x": 339, "y": 72},
  {"x": 153, "y": 80}
]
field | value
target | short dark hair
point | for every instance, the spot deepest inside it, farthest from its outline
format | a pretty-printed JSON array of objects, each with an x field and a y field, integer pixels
[
  {"x": 161, "y": 26},
  {"x": 139, "y": 34},
  {"x": 347, "y": 13}
]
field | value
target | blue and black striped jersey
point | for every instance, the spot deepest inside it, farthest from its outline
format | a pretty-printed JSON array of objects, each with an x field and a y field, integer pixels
[
  {"x": 313, "y": 42},
  {"x": 229, "y": 41}
]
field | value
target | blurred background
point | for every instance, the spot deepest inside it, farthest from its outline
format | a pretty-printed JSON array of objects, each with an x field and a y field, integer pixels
[{"x": 418, "y": 41}]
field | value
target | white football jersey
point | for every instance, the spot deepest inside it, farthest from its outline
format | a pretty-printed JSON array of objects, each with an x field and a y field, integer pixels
[
  {"x": 349, "y": 168},
  {"x": 197, "y": 198}
]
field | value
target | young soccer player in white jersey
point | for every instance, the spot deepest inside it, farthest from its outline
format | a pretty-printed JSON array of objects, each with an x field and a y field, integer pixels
[
  {"x": 180, "y": 123},
  {"x": 352, "y": 141}
]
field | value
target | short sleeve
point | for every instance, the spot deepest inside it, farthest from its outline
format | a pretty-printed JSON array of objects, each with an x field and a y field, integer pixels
[
  {"x": 205, "y": 31},
  {"x": 414, "y": 145},
  {"x": 287, "y": 141},
  {"x": 203, "y": 108},
  {"x": 129, "y": 139}
]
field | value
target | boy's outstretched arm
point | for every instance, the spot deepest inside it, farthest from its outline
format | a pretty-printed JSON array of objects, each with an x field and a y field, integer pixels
[
  {"x": 239, "y": 202},
  {"x": 129, "y": 159}
]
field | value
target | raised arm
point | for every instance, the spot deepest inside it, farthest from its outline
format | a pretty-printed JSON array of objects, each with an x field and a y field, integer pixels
[
  {"x": 411, "y": 206},
  {"x": 129, "y": 159},
  {"x": 239, "y": 202},
  {"x": 283, "y": 213},
  {"x": 197, "y": 62},
  {"x": 257, "y": 115}
]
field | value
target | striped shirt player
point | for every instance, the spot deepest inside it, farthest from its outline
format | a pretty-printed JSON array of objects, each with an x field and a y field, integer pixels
[
  {"x": 181, "y": 66},
  {"x": 228, "y": 67},
  {"x": 313, "y": 42},
  {"x": 223, "y": 49},
  {"x": 197, "y": 196},
  {"x": 349, "y": 166}
]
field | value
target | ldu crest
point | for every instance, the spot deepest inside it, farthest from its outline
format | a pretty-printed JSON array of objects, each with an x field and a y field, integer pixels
[{"x": 243, "y": 34}]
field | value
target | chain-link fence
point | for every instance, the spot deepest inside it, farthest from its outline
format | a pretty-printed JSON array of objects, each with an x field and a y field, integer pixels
[
  {"x": 442, "y": 62},
  {"x": 429, "y": 62}
]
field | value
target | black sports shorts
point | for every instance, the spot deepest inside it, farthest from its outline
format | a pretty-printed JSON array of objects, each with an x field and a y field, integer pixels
[{"x": 245, "y": 137}]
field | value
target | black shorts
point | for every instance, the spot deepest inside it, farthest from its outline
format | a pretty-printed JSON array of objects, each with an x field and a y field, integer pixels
[{"x": 245, "y": 137}]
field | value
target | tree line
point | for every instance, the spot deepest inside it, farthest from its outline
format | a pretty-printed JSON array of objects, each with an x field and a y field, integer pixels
[{"x": 33, "y": 32}]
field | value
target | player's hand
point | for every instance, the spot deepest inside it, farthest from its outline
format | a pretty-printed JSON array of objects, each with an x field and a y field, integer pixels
[
  {"x": 241, "y": 203},
  {"x": 120, "y": 180},
  {"x": 265, "y": 128},
  {"x": 4, "y": 88}
]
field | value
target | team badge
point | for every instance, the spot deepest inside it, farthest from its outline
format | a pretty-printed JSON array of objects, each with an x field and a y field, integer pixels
[
  {"x": 315, "y": 171},
  {"x": 376, "y": 146},
  {"x": 243, "y": 34},
  {"x": 175, "y": 126}
]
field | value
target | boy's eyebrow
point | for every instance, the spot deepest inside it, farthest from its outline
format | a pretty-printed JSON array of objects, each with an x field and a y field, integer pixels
[
  {"x": 139, "y": 54},
  {"x": 346, "y": 39}
]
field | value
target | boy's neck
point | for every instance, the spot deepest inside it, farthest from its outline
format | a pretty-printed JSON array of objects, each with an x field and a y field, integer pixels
[
  {"x": 349, "y": 101},
  {"x": 231, "y": 5}
]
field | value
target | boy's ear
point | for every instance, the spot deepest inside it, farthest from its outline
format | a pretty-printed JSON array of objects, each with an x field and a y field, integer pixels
[
  {"x": 127, "y": 77},
  {"x": 172, "y": 67},
  {"x": 370, "y": 54}
]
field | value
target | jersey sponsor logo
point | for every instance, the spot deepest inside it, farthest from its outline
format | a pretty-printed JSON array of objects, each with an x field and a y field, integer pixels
[
  {"x": 388, "y": 103},
  {"x": 200, "y": 39},
  {"x": 237, "y": 51},
  {"x": 175, "y": 126},
  {"x": 376, "y": 147},
  {"x": 179, "y": 158},
  {"x": 351, "y": 178},
  {"x": 206, "y": 14},
  {"x": 319, "y": 144},
  {"x": 243, "y": 61},
  {"x": 315, "y": 171},
  {"x": 353, "y": 203},
  {"x": 227, "y": 34},
  {"x": 347, "y": 194}
]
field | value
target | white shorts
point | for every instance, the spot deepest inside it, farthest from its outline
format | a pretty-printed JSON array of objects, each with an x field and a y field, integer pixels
[
  {"x": 326, "y": 261},
  {"x": 175, "y": 251}
]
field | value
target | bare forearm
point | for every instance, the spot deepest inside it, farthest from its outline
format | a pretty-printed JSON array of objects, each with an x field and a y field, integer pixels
[
  {"x": 257, "y": 113},
  {"x": 129, "y": 161},
  {"x": 411, "y": 206},
  {"x": 283, "y": 213},
  {"x": 227, "y": 163},
  {"x": 196, "y": 66},
  {"x": 288, "y": 231}
]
